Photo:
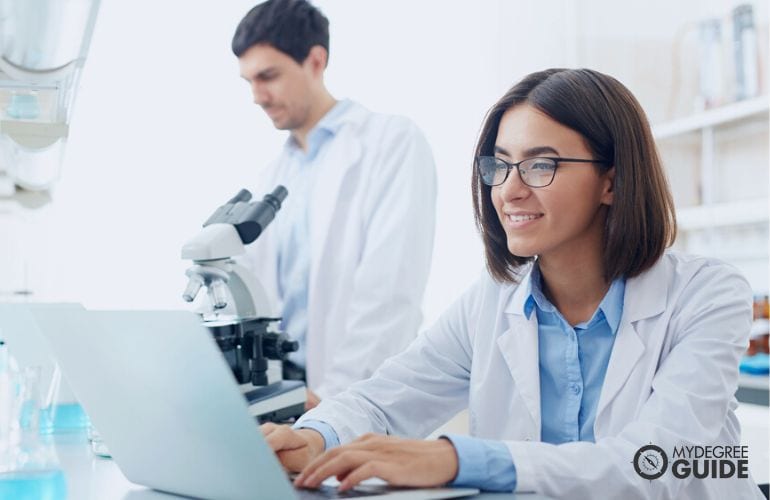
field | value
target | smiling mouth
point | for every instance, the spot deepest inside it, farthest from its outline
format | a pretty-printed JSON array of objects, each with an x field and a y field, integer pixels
[{"x": 522, "y": 218}]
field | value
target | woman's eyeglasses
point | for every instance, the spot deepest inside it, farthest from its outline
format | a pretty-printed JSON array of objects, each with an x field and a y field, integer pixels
[{"x": 534, "y": 172}]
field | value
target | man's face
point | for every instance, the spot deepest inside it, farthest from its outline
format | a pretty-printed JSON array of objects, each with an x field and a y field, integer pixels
[{"x": 281, "y": 86}]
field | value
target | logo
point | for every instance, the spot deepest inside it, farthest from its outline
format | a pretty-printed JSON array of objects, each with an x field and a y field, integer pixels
[
  {"x": 650, "y": 462},
  {"x": 700, "y": 462}
]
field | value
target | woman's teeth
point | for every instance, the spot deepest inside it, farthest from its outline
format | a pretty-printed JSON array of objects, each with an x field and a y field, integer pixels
[{"x": 522, "y": 218}]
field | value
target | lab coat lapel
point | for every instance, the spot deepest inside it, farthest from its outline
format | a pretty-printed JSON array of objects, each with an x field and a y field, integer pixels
[
  {"x": 519, "y": 348},
  {"x": 645, "y": 297},
  {"x": 345, "y": 151},
  {"x": 626, "y": 352}
]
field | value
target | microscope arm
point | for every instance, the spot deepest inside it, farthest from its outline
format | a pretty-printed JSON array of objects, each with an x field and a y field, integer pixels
[{"x": 249, "y": 295}]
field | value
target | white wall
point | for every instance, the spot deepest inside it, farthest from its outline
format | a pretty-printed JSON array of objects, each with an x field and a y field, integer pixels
[{"x": 164, "y": 130}]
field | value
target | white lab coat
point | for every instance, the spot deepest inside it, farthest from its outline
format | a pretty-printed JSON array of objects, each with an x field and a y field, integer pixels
[
  {"x": 372, "y": 217},
  {"x": 671, "y": 380}
]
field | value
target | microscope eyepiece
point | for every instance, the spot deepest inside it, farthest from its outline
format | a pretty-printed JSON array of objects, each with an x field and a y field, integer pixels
[
  {"x": 249, "y": 218},
  {"x": 279, "y": 194},
  {"x": 243, "y": 195},
  {"x": 259, "y": 214}
]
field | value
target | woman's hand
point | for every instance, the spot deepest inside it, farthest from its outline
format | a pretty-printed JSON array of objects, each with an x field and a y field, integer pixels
[
  {"x": 294, "y": 448},
  {"x": 400, "y": 462}
]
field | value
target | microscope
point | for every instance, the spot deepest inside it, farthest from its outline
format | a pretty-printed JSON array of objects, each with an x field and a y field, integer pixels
[{"x": 247, "y": 337}]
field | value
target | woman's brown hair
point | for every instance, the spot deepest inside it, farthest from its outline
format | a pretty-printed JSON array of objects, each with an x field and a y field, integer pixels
[{"x": 641, "y": 222}]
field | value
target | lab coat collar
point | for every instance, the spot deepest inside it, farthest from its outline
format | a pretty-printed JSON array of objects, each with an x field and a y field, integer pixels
[
  {"x": 610, "y": 308},
  {"x": 518, "y": 344},
  {"x": 521, "y": 291},
  {"x": 646, "y": 294},
  {"x": 645, "y": 297}
]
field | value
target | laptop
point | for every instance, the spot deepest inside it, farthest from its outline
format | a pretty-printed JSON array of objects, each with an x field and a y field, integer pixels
[
  {"x": 27, "y": 344},
  {"x": 163, "y": 398}
]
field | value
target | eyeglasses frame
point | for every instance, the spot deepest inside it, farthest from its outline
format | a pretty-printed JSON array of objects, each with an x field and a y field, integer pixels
[{"x": 555, "y": 159}]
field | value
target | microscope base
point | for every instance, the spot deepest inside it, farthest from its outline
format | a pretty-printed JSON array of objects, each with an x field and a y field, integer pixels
[{"x": 276, "y": 402}]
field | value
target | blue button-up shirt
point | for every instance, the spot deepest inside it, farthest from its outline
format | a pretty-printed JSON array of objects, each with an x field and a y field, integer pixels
[
  {"x": 573, "y": 362},
  {"x": 293, "y": 226}
]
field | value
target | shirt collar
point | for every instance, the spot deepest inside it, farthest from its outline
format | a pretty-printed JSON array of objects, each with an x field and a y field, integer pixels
[
  {"x": 611, "y": 305},
  {"x": 326, "y": 127},
  {"x": 334, "y": 118}
]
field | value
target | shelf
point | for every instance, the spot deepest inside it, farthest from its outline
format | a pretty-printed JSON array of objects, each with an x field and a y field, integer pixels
[
  {"x": 753, "y": 389},
  {"x": 723, "y": 214},
  {"x": 761, "y": 382},
  {"x": 741, "y": 256},
  {"x": 750, "y": 108}
]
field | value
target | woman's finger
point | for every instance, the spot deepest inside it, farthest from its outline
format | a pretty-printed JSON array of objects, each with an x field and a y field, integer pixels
[
  {"x": 317, "y": 462},
  {"x": 369, "y": 436},
  {"x": 368, "y": 470},
  {"x": 339, "y": 465}
]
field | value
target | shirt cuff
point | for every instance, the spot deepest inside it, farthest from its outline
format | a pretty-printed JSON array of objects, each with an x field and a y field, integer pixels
[
  {"x": 483, "y": 464},
  {"x": 327, "y": 431}
]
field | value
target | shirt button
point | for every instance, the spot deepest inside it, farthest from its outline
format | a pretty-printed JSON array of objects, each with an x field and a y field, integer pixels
[{"x": 575, "y": 389}]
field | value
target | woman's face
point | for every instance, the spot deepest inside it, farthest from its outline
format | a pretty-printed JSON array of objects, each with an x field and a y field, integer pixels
[{"x": 565, "y": 218}]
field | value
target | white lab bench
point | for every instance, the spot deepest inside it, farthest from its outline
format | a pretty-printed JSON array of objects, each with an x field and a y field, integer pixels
[
  {"x": 93, "y": 478},
  {"x": 755, "y": 432}
]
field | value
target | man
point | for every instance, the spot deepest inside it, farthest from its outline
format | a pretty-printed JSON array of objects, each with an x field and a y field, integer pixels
[{"x": 348, "y": 255}]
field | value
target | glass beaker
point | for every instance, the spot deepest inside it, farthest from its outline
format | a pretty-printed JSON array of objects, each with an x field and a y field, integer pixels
[
  {"x": 59, "y": 414},
  {"x": 29, "y": 467}
]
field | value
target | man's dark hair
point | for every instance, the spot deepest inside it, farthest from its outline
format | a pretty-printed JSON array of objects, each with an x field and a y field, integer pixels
[
  {"x": 641, "y": 221},
  {"x": 291, "y": 26}
]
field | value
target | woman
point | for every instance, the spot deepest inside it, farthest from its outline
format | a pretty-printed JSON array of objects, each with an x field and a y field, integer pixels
[{"x": 585, "y": 341}]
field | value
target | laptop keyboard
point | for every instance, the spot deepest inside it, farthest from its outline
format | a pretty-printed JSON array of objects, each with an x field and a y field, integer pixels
[{"x": 326, "y": 491}]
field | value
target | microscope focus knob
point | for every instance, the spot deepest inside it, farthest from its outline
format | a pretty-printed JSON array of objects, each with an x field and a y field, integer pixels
[
  {"x": 289, "y": 346},
  {"x": 277, "y": 346}
]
